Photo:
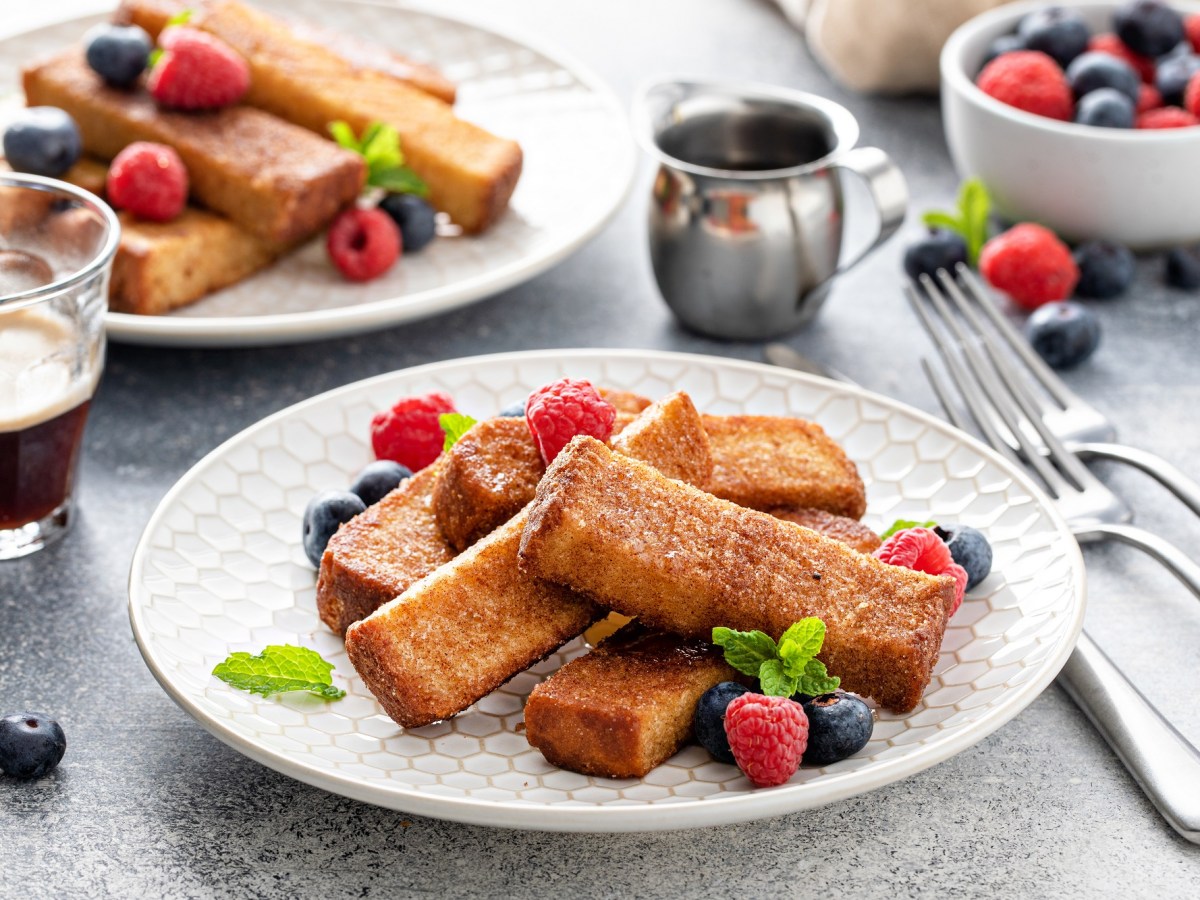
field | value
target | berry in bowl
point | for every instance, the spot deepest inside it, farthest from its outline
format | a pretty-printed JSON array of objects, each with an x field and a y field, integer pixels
[{"x": 1075, "y": 116}]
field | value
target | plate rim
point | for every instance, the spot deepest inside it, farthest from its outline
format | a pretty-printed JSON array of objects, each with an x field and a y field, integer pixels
[
  {"x": 743, "y": 807},
  {"x": 326, "y": 324}
]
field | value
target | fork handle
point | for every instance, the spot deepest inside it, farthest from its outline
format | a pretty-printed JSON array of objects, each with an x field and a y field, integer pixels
[
  {"x": 1158, "y": 756},
  {"x": 1165, "y": 473},
  {"x": 1163, "y": 550}
]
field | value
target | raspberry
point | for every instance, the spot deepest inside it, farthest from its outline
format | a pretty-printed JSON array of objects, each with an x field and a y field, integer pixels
[
  {"x": 767, "y": 735},
  {"x": 1029, "y": 80},
  {"x": 409, "y": 432},
  {"x": 921, "y": 550},
  {"x": 1030, "y": 264},
  {"x": 149, "y": 180},
  {"x": 1167, "y": 117},
  {"x": 197, "y": 71},
  {"x": 1149, "y": 97},
  {"x": 558, "y": 411},
  {"x": 1191, "y": 96},
  {"x": 363, "y": 243},
  {"x": 1114, "y": 46},
  {"x": 1191, "y": 26}
]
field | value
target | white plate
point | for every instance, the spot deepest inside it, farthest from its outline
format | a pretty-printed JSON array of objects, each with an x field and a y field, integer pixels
[
  {"x": 220, "y": 568},
  {"x": 579, "y": 165}
]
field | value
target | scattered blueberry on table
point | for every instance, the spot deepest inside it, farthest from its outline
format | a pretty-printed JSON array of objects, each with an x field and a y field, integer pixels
[{"x": 31, "y": 745}]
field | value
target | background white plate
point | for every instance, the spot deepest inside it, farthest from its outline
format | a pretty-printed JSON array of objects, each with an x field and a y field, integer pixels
[
  {"x": 220, "y": 568},
  {"x": 579, "y": 165}
]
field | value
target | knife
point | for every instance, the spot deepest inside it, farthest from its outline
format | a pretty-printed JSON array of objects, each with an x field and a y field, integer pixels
[{"x": 1160, "y": 759}]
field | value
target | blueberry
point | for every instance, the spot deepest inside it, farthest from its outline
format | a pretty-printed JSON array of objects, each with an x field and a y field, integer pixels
[
  {"x": 31, "y": 745},
  {"x": 1093, "y": 71},
  {"x": 1172, "y": 76},
  {"x": 1183, "y": 268},
  {"x": 1058, "y": 32},
  {"x": 1105, "y": 269},
  {"x": 937, "y": 250},
  {"x": 42, "y": 140},
  {"x": 415, "y": 217},
  {"x": 1064, "y": 334},
  {"x": 1148, "y": 27},
  {"x": 118, "y": 53},
  {"x": 324, "y": 513},
  {"x": 514, "y": 410},
  {"x": 710, "y": 718},
  {"x": 1006, "y": 43},
  {"x": 839, "y": 725},
  {"x": 378, "y": 480},
  {"x": 970, "y": 549},
  {"x": 1105, "y": 108}
]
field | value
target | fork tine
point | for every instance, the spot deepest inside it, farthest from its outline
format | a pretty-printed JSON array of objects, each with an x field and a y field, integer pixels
[
  {"x": 981, "y": 382},
  {"x": 1045, "y": 376},
  {"x": 969, "y": 392},
  {"x": 943, "y": 397}
]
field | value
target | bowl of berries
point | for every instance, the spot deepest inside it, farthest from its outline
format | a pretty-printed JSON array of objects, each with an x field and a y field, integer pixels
[{"x": 1083, "y": 116}]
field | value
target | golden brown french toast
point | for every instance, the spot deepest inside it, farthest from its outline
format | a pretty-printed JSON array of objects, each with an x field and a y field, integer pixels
[
  {"x": 273, "y": 178},
  {"x": 624, "y": 401},
  {"x": 849, "y": 531},
  {"x": 766, "y": 461},
  {"x": 153, "y": 16},
  {"x": 670, "y": 433},
  {"x": 160, "y": 266},
  {"x": 626, "y": 706},
  {"x": 682, "y": 560},
  {"x": 465, "y": 629},
  {"x": 380, "y": 552},
  {"x": 471, "y": 172}
]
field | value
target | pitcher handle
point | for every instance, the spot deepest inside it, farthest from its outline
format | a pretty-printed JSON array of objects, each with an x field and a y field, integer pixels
[{"x": 888, "y": 190}]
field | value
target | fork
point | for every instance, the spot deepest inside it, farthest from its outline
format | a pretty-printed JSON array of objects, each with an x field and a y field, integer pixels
[
  {"x": 1079, "y": 426},
  {"x": 1159, "y": 757}
]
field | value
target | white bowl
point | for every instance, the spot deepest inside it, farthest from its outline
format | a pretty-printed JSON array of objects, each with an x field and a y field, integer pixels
[{"x": 1139, "y": 188}]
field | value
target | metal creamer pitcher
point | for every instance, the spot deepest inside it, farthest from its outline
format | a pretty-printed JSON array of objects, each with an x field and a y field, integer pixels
[{"x": 746, "y": 214}]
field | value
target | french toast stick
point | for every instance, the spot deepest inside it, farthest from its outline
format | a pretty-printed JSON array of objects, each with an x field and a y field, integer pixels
[
  {"x": 380, "y": 552},
  {"x": 625, "y": 707},
  {"x": 275, "y": 179},
  {"x": 849, "y": 531},
  {"x": 682, "y": 560},
  {"x": 161, "y": 266},
  {"x": 766, "y": 461},
  {"x": 471, "y": 173},
  {"x": 153, "y": 16},
  {"x": 466, "y": 628}
]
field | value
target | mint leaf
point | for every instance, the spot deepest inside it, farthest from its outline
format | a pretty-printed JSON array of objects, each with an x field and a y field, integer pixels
[
  {"x": 945, "y": 221},
  {"x": 180, "y": 18},
  {"x": 746, "y": 651},
  {"x": 816, "y": 680},
  {"x": 974, "y": 207},
  {"x": 279, "y": 669},
  {"x": 454, "y": 426},
  {"x": 774, "y": 681},
  {"x": 807, "y": 635},
  {"x": 379, "y": 146},
  {"x": 154, "y": 57},
  {"x": 400, "y": 180},
  {"x": 343, "y": 135},
  {"x": 901, "y": 524}
]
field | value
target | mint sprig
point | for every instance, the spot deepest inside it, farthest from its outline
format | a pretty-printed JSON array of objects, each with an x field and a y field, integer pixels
[
  {"x": 970, "y": 220},
  {"x": 380, "y": 147},
  {"x": 180, "y": 18},
  {"x": 280, "y": 669},
  {"x": 784, "y": 668},
  {"x": 901, "y": 524},
  {"x": 454, "y": 426}
]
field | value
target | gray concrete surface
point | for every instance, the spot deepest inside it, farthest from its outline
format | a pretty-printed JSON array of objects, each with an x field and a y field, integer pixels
[{"x": 147, "y": 804}]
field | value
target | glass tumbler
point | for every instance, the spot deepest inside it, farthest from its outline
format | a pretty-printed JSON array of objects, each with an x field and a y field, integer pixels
[{"x": 57, "y": 244}]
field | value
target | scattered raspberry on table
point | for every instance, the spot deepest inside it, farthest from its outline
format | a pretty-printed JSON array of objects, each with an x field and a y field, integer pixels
[
  {"x": 1030, "y": 264},
  {"x": 768, "y": 737},
  {"x": 409, "y": 432},
  {"x": 558, "y": 411}
]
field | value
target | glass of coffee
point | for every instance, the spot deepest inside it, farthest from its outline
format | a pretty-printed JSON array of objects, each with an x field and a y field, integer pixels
[{"x": 57, "y": 244}]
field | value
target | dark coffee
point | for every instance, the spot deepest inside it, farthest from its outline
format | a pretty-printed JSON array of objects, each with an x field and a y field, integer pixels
[
  {"x": 748, "y": 141},
  {"x": 37, "y": 466}
]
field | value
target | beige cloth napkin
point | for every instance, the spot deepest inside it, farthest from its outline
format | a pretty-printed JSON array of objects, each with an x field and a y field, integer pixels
[{"x": 882, "y": 46}]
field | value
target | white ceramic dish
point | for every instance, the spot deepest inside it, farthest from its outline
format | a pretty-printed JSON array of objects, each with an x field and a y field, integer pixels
[
  {"x": 220, "y": 568},
  {"x": 579, "y": 165},
  {"x": 1134, "y": 187}
]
